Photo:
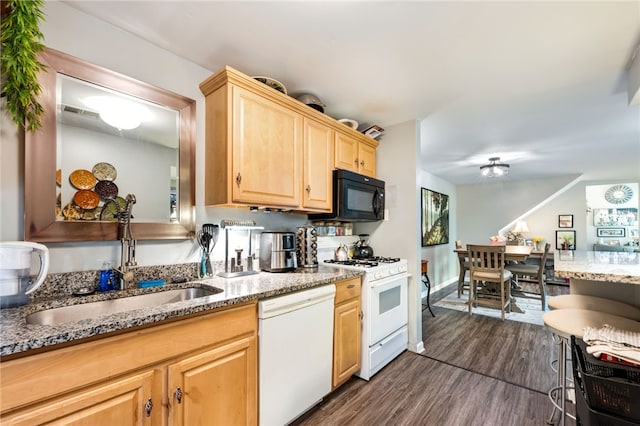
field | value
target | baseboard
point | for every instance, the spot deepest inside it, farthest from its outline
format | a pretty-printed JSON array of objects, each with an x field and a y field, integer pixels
[{"x": 419, "y": 348}]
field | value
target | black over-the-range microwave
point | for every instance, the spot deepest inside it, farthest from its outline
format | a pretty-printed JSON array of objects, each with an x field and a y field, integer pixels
[{"x": 356, "y": 198}]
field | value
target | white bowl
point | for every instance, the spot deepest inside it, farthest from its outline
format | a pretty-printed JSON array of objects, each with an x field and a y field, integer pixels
[
  {"x": 349, "y": 123},
  {"x": 273, "y": 83}
]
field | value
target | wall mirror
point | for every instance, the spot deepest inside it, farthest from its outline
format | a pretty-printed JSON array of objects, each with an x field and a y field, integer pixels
[{"x": 106, "y": 135}]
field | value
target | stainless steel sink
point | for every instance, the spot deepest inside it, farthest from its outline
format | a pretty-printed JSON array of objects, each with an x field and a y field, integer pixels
[{"x": 107, "y": 307}]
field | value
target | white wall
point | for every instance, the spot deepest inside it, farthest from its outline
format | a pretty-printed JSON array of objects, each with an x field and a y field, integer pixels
[
  {"x": 538, "y": 202},
  {"x": 75, "y": 33},
  {"x": 399, "y": 235},
  {"x": 596, "y": 202},
  {"x": 443, "y": 262},
  {"x": 485, "y": 208}
]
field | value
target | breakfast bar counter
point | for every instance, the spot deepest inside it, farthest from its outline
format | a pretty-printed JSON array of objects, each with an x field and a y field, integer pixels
[{"x": 612, "y": 275}]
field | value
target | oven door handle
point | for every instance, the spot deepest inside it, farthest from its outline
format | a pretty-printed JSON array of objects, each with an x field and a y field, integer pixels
[{"x": 386, "y": 280}]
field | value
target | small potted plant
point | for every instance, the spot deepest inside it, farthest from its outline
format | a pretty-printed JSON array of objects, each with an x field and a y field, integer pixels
[{"x": 536, "y": 242}]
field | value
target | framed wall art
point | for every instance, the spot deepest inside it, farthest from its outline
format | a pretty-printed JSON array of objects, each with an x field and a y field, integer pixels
[
  {"x": 565, "y": 221},
  {"x": 615, "y": 217},
  {"x": 435, "y": 218},
  {"x": 611, "y": 232},
  {"x": 565, "y": 240}
]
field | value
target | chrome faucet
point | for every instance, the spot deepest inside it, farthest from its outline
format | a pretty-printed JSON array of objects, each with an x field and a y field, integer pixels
[{"x": 127, "y": 242}]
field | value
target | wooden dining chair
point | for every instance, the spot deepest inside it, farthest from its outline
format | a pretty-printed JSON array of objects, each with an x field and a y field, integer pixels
[
  {"x": 489, "y": 282},
  {"x": 464, "y": 268},
  {"x": 531, "y": 272}
]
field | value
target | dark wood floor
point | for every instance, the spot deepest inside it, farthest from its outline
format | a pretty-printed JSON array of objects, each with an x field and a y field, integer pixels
[{"x": 474, "y": 371}]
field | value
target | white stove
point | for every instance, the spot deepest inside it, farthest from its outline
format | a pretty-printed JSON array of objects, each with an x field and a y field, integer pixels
[{"x": 384, "y": 308}]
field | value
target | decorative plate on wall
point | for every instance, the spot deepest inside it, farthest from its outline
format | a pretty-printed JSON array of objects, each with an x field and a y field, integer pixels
[{"x": 618, "y": 194}]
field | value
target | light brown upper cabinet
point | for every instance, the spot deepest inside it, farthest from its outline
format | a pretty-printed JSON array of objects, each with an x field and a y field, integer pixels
[
  {"x": 355, "y": 155},
  {"x": 266, "y": 149},
  {"x": 317, "y": 167}
]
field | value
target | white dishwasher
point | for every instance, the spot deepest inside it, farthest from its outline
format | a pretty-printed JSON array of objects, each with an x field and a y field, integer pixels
[{"x": 295, "y": 353}]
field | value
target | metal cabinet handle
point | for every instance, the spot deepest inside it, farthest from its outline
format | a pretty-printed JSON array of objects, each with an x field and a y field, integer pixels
[
  {"x": 362, "y": 163},
  {"x": 148, "y": 406},
  {"x": 308, "y": 189},
  {"x": 238, "y": 179},
  {"x": 361, "y": 315},
  {"x": 351, "y": 286},
  {"x": 355, "y": 161},
  {"x": 178, "y": 394}
]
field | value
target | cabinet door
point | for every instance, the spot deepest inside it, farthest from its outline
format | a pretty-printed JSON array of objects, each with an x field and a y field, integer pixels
[
  {"x": 346, "y": 156},
  {"x": 346, "y": 341},
  {"x": 266, "y": 151},
  {"x": 367, "y": 160},
  {"x": 217, "y": 387},
  {"x": 121, "y": 402},
  {"x": 318, "y": 166}
]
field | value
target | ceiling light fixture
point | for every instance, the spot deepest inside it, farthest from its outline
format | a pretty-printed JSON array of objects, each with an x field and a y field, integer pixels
[
  {"x": 119, "y": 113},
  {"x": 495, "y": 168}
]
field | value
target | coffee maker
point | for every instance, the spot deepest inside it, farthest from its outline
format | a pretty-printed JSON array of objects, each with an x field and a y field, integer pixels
[
  {"x": 15, "y": 270},
  {"x": 277, "y": 251}
]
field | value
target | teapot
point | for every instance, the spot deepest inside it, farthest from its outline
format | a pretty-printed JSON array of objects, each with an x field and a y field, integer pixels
[
  {"x": 341, "y": 253},
  {"x": 362, "y": 250}
]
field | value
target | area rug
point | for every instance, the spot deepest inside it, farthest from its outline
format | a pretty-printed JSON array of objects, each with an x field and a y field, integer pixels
[{"x": 522, "y": 309}]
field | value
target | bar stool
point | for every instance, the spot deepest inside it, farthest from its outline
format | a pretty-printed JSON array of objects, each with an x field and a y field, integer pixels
[
  {"x": 592, "y": 303},
  {"x": 427, "y": 284},
  {"x": 564, "y": 323}
]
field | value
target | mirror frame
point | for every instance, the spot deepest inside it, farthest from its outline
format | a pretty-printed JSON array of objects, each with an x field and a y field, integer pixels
[{"x": 40, "y": 222}]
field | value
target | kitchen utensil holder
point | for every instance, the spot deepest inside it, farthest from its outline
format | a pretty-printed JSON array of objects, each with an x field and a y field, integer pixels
[{"x": 244, "y": 226}]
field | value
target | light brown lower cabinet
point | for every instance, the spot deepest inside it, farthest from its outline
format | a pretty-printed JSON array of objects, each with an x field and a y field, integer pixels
[
  {"x": 347, "y": 329},
  {"x": 114, "y": 402},
  {"x": 200, "y": 370}
]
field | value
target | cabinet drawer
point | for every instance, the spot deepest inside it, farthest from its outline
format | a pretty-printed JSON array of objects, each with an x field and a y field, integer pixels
[{"x": 347, "y": 289}]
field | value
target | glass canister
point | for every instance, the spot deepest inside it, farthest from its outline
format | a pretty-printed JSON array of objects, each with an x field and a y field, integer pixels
[
  {"x": 321, "y": 229},
  {"x": 348, "y": 228}
]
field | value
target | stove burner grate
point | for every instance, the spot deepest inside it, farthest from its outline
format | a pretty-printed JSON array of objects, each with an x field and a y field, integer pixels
[
  {"x": 384, "y": 259},
  {"x": 365, "y": 263}
]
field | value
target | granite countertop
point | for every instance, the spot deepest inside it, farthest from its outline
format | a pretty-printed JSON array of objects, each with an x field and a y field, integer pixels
[
  {"x": 618, "y": 267},
  {"x": 17, "y": 336}
]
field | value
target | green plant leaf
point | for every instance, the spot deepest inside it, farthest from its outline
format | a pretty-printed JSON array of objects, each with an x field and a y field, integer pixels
[{"x": 21, "y": 41}]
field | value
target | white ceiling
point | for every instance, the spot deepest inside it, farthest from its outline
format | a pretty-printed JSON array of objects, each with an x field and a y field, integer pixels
[{"x": 543, "y": 85}]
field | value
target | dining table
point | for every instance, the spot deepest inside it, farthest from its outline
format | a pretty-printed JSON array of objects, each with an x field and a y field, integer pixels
[{"x": 511, "y": 253}]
